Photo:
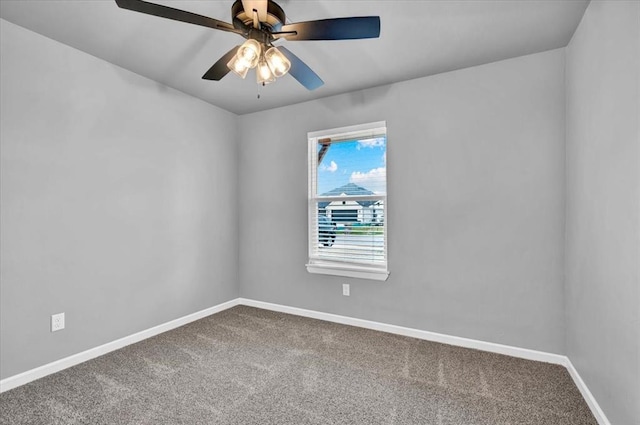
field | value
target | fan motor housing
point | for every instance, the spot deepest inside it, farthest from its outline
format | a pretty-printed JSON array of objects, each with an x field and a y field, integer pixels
[{"x": 275, "y": 15}]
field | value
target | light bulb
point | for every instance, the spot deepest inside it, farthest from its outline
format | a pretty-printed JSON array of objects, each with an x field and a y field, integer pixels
[
  {"x": 263, "y": 73},
  {"x": 278, "y": 62},
  {"x": 250, "y": 52},
  {"x": 239, "y": 66}
]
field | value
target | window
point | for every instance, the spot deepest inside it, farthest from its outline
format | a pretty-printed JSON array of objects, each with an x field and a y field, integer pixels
[{"x": 347, "y": 201}]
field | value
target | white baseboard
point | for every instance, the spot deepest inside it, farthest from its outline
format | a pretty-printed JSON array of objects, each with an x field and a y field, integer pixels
[
  {"x": 586, "y": 394},
  {"x": 523, "y": 353},
  {"x": 491, "y": 347},
  {"x": 53, "y": 367}
]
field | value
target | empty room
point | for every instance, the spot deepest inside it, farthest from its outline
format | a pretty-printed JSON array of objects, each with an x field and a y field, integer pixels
[{"x": 320, "y": 212}]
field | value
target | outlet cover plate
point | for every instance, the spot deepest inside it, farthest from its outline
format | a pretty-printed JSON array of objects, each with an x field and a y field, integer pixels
[
  {"x": 345, "y": 289},
  {"x": 57, "y": 322}
]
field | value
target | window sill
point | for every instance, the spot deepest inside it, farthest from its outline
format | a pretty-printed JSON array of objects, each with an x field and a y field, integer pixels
[{"x": 355, "y": 272}]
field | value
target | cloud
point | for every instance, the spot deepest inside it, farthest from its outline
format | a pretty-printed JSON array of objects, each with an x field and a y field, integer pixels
[
  {"x": 373, "y": 180},
  {"x": 331, "y": 167},
  {"x": 371, "y": 143}
]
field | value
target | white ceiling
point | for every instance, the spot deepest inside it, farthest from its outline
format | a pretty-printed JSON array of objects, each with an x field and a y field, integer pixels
[{"x": 418, "y": 38}]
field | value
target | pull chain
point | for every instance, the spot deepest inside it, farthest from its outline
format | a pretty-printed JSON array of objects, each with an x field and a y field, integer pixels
[{"x": 263, "y": 84}]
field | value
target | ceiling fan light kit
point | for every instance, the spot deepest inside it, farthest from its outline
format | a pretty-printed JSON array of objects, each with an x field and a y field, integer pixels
[
  {"x": 263, "y": 22},
  {"x": 271, "y": 63}
]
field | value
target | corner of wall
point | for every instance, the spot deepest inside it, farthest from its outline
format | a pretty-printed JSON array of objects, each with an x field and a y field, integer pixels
[
  {"x": 237, "y": 143},
  {"x": 564, "y": 199}
]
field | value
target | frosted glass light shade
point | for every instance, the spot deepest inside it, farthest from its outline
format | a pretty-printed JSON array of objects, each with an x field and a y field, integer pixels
[
  {"x": 278, "y": 63},
  {"x": 263, "y": 73},
  {"x": 239, "y": 66},
  {"x": 250, "y": 52}
]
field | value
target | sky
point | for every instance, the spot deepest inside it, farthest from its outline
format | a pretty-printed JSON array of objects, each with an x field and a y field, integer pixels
[{"x": 363, "y": 162}]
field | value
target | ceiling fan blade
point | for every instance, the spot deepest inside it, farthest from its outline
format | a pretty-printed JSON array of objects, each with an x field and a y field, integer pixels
[
  {"x": 334, "y": 29},
  {"x": 220, "y": 69},
  {"x": 175, "y": 14},
  {"x": 301, "y": 71},
  {"x": 259, "y": 6}
]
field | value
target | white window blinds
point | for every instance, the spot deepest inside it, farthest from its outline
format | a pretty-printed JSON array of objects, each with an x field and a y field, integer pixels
[{"x": 348, "y": 201}]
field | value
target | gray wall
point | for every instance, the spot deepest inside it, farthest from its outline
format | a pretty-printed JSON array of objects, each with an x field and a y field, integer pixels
[
  {"x": 476, "y": 203},
  {"x": 118, "y": 202},
  {"x": 603, "y": 213}
]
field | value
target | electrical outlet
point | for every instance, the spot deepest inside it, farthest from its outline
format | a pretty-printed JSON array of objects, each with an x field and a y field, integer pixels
[
  {"x": 57, "y": 322},
  {"x": 345, "y": 289}
]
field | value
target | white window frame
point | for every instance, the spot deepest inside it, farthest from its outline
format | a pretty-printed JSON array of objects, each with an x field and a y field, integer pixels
[{"x": 317, "y": 264}]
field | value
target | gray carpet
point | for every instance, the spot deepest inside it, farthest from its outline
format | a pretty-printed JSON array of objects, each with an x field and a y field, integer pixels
[{"x": 252, "y": 366}]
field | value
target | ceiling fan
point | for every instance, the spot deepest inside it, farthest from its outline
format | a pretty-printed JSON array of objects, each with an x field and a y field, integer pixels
[{"x": 263, "y": 22}]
